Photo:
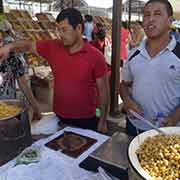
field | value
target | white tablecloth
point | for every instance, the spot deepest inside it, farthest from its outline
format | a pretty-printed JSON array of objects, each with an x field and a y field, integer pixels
[{"x": 53, "y": 165}]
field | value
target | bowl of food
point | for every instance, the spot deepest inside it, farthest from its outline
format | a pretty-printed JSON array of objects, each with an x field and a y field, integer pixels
[{"x": 155, "y": 156}]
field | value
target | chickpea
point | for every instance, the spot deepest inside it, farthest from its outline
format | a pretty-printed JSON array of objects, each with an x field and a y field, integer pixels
[{"x": 160, "y": 156}]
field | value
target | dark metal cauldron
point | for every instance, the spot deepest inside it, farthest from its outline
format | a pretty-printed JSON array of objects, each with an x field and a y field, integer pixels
[{"x": 15, "y": 132}]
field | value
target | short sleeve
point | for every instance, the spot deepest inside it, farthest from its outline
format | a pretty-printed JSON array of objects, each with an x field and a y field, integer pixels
[
  {"x": 44, "y": 47},
  {"x": 100, "y": 67},
  {"x": 126, "y": 72}
]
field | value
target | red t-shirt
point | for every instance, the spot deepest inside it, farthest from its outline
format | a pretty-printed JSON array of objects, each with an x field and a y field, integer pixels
[
  {"x": 124, "y": 37},
  {"x": 99, "y": 44},
  {"x": 75, "y": 91}
]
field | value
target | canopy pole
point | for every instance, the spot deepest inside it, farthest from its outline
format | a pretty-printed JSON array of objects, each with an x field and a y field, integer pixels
[
  {"x": 115, "y": 61},
  {"x": 62, "y": 5},
  {"x": 129, "y": 14},
  {"x": 1, "y": 6},
  {"x": 40, "y": 6},
  {"x": 72, "y": 3},
  {"x": 20, "y": 4}
]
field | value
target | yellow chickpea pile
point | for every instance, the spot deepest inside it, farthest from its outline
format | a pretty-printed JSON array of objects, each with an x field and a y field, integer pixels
[
  {"x": 160, "y": 157},
  {"x": 7, "y": 110}
]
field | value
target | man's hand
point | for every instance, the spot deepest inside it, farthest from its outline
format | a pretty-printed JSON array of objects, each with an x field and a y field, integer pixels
[
  {"x": 168, "y": 122},
  {"x": 130, "y": 104},
  {"x": 172, "y": 119},
  {"x": 102, "y": 126},
  {"x": 37, "y": 115},
  {"x": 4, "y": 52}
]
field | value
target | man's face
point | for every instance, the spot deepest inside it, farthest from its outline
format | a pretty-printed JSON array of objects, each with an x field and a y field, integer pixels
[
  {"x": 156, "y": 21},
  {"x": 68, "y": 34}
]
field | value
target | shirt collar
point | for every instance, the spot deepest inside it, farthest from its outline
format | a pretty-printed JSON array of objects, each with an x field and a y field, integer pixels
[
  {"x": 170, "y": 46},
  {"x": 84, "y": 48}
]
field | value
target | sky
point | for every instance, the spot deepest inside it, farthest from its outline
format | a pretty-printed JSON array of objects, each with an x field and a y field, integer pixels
[
  {"x": 100, "y": 3},
  {"x": 103, "y": 3}
]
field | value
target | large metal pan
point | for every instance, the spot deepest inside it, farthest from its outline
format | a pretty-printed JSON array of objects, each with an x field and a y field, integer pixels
[{"x": 14, "y": 132}]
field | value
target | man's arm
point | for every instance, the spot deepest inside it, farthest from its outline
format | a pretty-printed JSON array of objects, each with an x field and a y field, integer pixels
[
  {"x": 22, "y": 81},
  {"x": 104, "y": 97},
  {"x": 126, "y": 97},
  {"x": 23, "y": 46},
  {"x": 18, "y": 46},
  {"x": 172, "y": 119}
]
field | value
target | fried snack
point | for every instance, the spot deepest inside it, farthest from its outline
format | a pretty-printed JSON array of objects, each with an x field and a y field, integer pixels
[
  {"x": 71, "y": 142},
  {"x": 160, "y": 157},
  {"x": 7, "y": 110}
]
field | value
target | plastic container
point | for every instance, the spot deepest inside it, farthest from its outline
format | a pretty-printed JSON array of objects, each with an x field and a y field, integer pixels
[
  {"x": 98, "y": 112},
  {"x": 159, "y": 119}
]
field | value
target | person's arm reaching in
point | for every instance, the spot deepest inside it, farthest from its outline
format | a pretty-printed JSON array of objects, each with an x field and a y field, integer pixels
[
  {"x": 23, "y": 84},
  {"x": 18, "y": 46}
]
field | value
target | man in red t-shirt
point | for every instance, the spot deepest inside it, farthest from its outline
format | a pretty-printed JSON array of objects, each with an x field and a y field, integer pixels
[
  {"x": 79, "y": 71},
  {"x": 99, "y": 37},
  {"x": 124, "y": 42}
]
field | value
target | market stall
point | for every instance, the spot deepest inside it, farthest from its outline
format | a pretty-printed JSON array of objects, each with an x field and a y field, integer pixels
[{"x": 105, "y": 22}]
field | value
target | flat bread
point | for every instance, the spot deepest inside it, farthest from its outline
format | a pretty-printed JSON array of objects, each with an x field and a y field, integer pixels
[{"x": 71, "y": 142}]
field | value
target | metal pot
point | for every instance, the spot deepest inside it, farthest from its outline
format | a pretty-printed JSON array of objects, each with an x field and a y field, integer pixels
[
  {"x": 136, "y": 172},
  {"x": 14, "y": 132}
]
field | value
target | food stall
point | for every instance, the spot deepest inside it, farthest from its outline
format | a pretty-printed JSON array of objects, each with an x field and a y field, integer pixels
[{"x": 53, "y": 152}]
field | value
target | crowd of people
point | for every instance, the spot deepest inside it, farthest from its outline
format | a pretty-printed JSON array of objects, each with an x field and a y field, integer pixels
[
  {"x": 150, "y": 62},
  {"x": 175, "y": 32}
]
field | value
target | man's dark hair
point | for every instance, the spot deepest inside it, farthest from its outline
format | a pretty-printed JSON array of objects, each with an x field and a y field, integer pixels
[
  {"x": 166, "y": 3},
  {"x": 101, "y": 31},
  {"x": 73, "y": 15},
  {"x": 88, "y": 18},
  {"x": 124, "y": 24}
]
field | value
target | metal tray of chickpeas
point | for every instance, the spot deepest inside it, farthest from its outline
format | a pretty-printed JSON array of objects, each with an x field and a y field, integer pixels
[{"x": 156, "y": 156}]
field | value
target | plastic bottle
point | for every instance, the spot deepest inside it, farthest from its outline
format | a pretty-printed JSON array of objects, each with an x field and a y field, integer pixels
[
  {"x": 159, "y": 119},
  {"x": 98, "y": 112}
]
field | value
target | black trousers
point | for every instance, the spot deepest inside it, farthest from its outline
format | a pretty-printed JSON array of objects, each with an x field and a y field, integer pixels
[
  {"x": 87, "y": 123},
  {"x": 131, "y": 129}
]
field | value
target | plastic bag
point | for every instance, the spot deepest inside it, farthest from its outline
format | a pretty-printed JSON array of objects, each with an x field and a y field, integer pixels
[
  {"x": 50, "y": 167},
  {"x": 29, "y": 155},
  {"x": 101, "y": 175},
  {"x": 47, "y": 125}
]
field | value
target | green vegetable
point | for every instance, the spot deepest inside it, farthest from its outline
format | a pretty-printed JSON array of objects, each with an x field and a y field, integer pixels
[{"x": 29, "y": 156}]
